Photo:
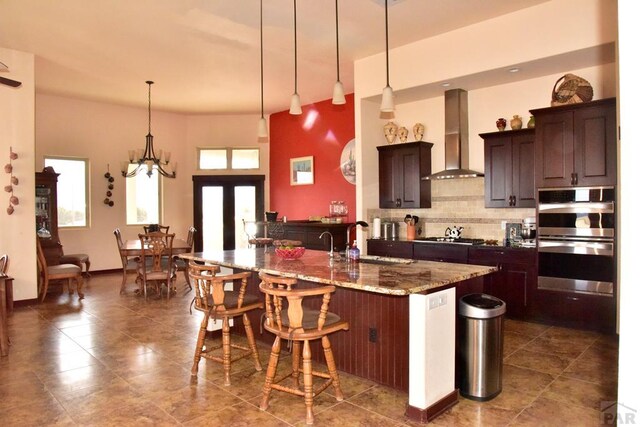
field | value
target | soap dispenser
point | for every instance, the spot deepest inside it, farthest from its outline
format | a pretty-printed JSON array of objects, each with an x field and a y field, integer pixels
[{"x": 354, "y": 253}]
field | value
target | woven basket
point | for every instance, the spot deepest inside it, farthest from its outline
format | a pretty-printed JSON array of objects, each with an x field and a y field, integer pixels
[{"x": 573, "y": 90}]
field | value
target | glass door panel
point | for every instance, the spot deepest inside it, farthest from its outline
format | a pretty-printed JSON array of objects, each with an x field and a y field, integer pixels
[
  {"x": 212, "y": 220},
  {"x": 245, "y": 209}
]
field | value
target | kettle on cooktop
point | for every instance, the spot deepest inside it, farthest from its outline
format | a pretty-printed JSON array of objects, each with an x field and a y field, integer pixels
[{"x": 454, "y": 233}]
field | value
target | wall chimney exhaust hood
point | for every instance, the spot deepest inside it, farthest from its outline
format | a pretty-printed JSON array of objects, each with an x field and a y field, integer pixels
[{"x": 456, "y": 138}]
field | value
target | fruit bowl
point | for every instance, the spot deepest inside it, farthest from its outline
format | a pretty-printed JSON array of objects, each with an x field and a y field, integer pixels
[{"x": 290, "y": 252}]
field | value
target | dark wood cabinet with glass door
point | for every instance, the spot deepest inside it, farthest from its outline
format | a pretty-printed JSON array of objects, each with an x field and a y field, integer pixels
[{"x": 47, "y": 215}]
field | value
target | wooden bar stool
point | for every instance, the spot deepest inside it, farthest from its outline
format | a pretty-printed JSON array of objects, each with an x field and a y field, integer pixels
[
  {"x": 292, "y": 321},
  {"x": 217, "y": 303}
]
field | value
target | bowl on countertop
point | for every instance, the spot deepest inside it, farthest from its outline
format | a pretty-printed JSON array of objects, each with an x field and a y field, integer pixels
[{"x": 290, "y": 252}]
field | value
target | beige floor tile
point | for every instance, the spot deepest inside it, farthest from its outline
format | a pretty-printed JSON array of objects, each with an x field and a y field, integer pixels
[
  {"x": 546, "y": 412},
  {"x": 525, "y": 328},
  {"x": 242, "y": 414},
  {"x": 580, "y": 393},
  {"x": 41, "y": 411},
  {"x": 557, "y": 346},
  {"x": 544, "y": 362}
]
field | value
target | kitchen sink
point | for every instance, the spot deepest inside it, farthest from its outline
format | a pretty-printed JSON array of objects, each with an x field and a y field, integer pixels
[{"x": 369, "y": 259}]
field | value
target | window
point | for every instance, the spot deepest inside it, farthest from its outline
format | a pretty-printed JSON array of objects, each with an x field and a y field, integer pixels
[
  {"x": 143, "y": 198},
  {"x": 72, "y": 190},
  {"x": 221, "y": 158}
]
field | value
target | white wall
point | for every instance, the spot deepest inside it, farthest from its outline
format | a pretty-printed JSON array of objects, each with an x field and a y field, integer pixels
[
  {"x": 17, "y": 231},
  {"x": 103, "y": 133},
  {"x": 629, "y": 370}
]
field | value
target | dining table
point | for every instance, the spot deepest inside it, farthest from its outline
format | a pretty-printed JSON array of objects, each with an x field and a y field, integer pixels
[{"x": 132, "y": 247}]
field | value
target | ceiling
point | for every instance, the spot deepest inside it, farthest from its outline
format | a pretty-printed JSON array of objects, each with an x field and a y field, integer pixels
[{"x": 204, "y": 55}]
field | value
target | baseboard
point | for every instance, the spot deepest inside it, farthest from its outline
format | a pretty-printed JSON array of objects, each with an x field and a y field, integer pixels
[
  {"x": 428, "y": 414},
  {"x": 25, "y": 302}
]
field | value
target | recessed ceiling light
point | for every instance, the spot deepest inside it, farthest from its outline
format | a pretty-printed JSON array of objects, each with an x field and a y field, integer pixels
[
  {"x": 446, "y": 84},
  {"x": 514, "y": 70}
]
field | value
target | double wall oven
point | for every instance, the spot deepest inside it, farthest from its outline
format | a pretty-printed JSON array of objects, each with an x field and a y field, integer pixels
[{"x": 576, "y": 240}]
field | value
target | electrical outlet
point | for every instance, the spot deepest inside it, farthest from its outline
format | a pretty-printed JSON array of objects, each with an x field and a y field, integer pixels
[
  {"x": 503, "y": 225},
  {"x": 373, "y": 335},
  {"x": 442, "y": 300},
  {"x": 434, "y": 302}
]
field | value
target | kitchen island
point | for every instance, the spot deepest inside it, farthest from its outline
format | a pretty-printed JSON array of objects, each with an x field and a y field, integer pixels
[{"x": 402, "y": 316}]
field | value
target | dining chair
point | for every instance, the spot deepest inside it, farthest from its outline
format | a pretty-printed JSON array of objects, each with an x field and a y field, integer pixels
[
  {"x": 58, "y": 272},
  {"x": 4, "y": 264},
  {"x": 183, "y": 264},
  {"x": 129, "y": 264},
  {"x": 217, "y": 302},
  {"x": 299, "y": 324},
  {"x": 77, "y": 259},
  {"x": 156, "y": 264},
  {"x": 156, "y": 227},
  {"x": 4, "y": 267}
]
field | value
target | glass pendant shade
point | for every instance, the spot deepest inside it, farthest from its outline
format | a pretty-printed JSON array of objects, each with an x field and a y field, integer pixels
[
  {"x": 296, "y": 107},
  {"x": 263, "y": 132},
  {"x": 387, "y": 105},
  {"x": 338, "y": 94}
]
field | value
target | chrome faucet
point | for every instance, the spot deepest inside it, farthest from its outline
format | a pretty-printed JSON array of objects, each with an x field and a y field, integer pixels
[
  {"x": 360, "y": 223},
  {"x": 331, "y": 236}
]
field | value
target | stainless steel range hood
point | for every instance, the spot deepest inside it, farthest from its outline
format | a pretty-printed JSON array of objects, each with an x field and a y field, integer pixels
[{"x": 456, "y": 138}]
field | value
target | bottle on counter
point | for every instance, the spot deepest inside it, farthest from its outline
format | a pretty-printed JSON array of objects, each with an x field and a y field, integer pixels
[{"x": 354, "y": 253}]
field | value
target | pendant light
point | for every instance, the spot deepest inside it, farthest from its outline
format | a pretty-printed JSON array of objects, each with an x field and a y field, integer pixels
[
  {"x": 146, "y": 159},
  {"x": 263, "y": 133},
  {"x": 296, "y": 107},
  {"x": 387, "y": 106},
  {"x": 338, "y": 89}
]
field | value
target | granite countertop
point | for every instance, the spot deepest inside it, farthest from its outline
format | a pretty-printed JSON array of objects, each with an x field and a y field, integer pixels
[{"x": 392, "y": 276}]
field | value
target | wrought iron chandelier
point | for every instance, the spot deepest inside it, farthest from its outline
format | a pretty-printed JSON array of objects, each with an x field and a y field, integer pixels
[{"x": 146, "y": 159}]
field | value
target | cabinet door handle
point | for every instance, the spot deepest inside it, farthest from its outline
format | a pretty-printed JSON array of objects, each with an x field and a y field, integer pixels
[
  {"x": 573, "y": 299},
  {"x": 398, "y": 202}
]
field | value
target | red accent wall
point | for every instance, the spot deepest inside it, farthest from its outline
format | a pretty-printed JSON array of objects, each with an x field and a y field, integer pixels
[{"x": 321, "y": 131}]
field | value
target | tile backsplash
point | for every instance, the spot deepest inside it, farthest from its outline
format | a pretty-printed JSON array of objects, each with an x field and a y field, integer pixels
[{"x": 458, "y": 202}]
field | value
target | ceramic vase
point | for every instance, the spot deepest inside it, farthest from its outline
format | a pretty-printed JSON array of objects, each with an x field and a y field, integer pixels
[
  {"x": 531, "y": 123},
  {"x": 516, "y": 122},
  {"x": 390, "y": 132},
  {"x": 418, "y": 131},
  {"x": 501, "y": 123},
  {"x": 403, "y": 133}
]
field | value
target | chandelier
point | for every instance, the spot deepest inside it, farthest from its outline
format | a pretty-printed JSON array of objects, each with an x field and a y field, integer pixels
[{"x": 146, "y": 159}]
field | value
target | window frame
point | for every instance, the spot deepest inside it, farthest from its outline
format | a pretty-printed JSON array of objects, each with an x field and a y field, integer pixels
[
  {"x": 229, "y": 151},
  {"x": 87, "y": 187},
  {"x": 142, "y": 173}
]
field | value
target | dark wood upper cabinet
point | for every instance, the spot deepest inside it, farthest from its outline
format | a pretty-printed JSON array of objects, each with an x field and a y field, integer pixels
[
  {"x": 400, "y": 168},
  {"x": 576, "y": 144},
  {"x": 509, "y": 169}
]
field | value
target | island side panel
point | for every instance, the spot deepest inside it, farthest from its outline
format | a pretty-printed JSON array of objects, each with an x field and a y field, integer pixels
[{"x": 385, "y": 361}]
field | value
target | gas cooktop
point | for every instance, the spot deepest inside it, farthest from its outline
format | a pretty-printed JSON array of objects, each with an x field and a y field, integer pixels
[{"x": 458, "y": 241}]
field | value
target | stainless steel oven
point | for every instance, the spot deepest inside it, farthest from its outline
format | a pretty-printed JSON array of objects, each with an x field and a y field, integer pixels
[{"x": 576, "y": 240}]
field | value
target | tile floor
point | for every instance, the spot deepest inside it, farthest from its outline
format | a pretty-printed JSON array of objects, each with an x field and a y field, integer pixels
[{"x": 120, "y": 360}]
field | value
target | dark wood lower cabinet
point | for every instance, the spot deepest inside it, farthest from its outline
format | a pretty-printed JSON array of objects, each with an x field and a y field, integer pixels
[
  {"x": 441, "y": 252},
  {"x": 576, "y": 310},
  {"x": 516, "y": 279},
  {"x": 390, "y": 248}
]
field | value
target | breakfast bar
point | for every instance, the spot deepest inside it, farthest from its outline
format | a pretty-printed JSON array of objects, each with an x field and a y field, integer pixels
[{"x": 401, "y": 314}]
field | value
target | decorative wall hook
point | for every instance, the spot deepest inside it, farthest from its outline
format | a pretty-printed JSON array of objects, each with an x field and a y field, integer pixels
[
  {"x": 13, "y": 181},
  {"x": 110, "y": 179}
]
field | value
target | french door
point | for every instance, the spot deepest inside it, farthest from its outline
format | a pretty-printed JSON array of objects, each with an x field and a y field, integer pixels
[{"x": 220, "y": 203}]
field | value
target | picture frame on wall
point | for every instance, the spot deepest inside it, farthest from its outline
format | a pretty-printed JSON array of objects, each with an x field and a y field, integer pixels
[{"x": 301, "y": 170}]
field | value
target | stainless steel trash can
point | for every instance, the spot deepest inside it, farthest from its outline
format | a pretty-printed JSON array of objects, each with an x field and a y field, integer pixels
[{"x": 480, "y": 349}]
